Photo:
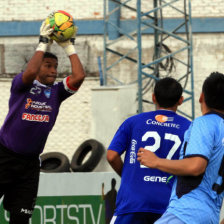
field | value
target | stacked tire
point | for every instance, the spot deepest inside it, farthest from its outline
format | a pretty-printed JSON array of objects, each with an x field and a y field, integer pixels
[
  {"x": 85, "y": 159},
  {"x": 54, "y": 162}
]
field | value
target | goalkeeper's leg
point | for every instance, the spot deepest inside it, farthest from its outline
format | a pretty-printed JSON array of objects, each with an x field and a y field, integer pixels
[
  {"x": 21, "y": 192},
  {"x": 18, "y": 218}
]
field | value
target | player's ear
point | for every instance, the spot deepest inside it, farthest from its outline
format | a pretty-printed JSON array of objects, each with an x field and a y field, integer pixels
[
  {"x": 180, "y": 101},
  {"x": 201, "y": 98},
  {"x": 154, "y": 99}
]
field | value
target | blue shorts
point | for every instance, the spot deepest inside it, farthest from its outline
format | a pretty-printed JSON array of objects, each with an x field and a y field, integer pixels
[
  {"x": 136, "y": 218},
  {"x": 169, "y": 218}
]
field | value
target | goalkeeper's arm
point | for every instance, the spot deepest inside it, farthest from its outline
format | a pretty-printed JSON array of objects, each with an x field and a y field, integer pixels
[
  {"x": 34, "y": 64},
  {"x": 78, "y": 75}
]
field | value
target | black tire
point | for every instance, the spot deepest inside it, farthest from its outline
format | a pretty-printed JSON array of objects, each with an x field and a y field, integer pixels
[
  {"x": 54, "y": 162},
  {"x": 96, "y": 149}
]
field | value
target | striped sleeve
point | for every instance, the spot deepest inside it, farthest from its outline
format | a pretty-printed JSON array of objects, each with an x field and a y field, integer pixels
[{"x": 69, "y": 88}]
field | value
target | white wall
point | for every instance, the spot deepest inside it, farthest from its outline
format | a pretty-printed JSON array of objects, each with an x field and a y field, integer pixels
[{"x": 92, "y": 9}]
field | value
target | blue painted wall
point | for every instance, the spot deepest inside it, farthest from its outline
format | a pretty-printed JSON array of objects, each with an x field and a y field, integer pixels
[{"x": 96, "y": 27}]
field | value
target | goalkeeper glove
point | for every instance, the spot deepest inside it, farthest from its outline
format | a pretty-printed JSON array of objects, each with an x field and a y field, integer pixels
[
  {"x": 45, "y": 40},
  {"x": 69, "y": 45}
]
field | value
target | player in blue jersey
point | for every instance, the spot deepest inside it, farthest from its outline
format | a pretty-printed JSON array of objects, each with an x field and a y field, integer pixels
[
  {"x": 198, "y": 191},
  {"x": 33, "y": 108},
  {"x": 144, "y": 193}
]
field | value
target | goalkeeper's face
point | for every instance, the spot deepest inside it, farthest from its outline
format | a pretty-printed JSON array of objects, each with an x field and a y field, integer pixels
[{"x": 48, "y": 71}]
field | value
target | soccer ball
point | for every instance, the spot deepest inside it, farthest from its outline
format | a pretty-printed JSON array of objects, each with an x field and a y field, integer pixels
[{"x": 63, "y": 25}]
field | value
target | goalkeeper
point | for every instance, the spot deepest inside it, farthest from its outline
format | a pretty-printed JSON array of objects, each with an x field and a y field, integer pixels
[{"x": 26, "y": 127}]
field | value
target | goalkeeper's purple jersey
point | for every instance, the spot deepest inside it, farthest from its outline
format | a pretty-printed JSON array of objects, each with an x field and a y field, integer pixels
[
  {"x": 33, "y": 110},
  {"x": 144, "y": 189}
]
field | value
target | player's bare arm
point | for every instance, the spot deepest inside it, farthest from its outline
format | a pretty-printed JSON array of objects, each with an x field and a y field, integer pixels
[
  {"x": 35, "y": 62},
  {"x": 192, "y": 166},
  {"x": 78, "y": 73},
  {"x": 33, "y": 67},
  {"x": 115, "y": 161}
]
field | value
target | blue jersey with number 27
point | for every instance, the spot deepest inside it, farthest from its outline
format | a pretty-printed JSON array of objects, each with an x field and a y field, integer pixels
[{"x": 143, "y": 189}]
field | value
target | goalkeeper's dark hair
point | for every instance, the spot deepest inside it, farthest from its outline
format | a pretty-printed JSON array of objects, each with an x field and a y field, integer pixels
[
  {"x": 50, "y": 55},
  {"x": 168, "y": 91},
  {"x": 213, "y": 89}
]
